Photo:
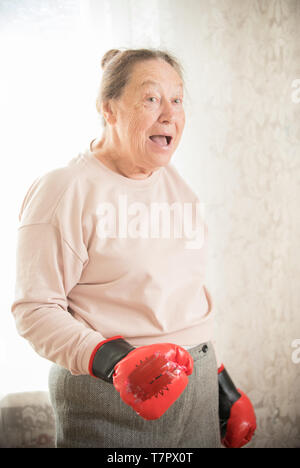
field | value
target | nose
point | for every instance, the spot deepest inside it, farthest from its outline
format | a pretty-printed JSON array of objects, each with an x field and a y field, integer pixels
[{"x": 167, "y": 113}]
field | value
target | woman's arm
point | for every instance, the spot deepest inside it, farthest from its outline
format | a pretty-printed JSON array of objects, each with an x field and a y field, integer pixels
[{"x": 47, "y": 268}]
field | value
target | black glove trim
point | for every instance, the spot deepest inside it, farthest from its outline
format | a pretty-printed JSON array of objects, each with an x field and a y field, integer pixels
[
  {"x": 228, "y": 395},
  {"x": 107, "y": 356}
]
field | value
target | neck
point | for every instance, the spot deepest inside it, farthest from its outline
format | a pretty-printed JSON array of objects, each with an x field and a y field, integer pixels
[{"x": 108, "y": 155}]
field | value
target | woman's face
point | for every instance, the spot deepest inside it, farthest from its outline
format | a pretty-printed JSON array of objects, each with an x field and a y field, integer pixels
[{"x": 146, "y": 109}]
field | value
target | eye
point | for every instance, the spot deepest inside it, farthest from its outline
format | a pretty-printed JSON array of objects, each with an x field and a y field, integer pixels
[
  {"x": 152, "y": 97},
  {"x": 177, "y": 101}
]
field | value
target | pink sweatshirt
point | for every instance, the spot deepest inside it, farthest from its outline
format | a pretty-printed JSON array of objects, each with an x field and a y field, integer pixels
[{"x": 88, "y": 266}]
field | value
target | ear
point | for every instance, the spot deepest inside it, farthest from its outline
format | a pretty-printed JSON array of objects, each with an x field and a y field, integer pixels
[{"x": 109, "y": 112}]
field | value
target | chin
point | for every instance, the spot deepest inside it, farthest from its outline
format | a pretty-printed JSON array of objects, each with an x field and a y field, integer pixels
[{"x": 160, "y": 160}]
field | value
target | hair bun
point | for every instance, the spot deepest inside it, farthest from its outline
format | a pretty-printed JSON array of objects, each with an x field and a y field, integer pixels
[{"x": 108, "y": 56}]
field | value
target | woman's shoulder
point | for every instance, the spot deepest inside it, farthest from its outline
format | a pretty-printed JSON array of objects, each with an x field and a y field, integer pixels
[{"x": 46, "y": 191}]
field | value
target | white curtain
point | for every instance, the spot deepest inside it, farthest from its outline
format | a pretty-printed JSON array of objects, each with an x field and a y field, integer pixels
[{"x": 240, "y": 151}]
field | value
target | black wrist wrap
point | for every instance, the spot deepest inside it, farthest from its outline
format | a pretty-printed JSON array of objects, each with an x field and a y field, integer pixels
[
  {"x": 228, "y": 395},
  {"x": 107, "y": 356}
]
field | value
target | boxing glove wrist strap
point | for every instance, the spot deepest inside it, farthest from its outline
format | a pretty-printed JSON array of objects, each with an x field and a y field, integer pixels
[
  {"x": 226, "y": 386},
  {"x": 106, "y": 355},
  {"x": 228, "y": 395}
]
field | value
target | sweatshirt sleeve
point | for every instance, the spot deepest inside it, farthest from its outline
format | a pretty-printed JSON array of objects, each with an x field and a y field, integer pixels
[{"x": 47, "y": 268}]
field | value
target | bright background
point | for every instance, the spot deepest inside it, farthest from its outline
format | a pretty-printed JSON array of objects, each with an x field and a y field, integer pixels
[{"x": 240, "y": 151}]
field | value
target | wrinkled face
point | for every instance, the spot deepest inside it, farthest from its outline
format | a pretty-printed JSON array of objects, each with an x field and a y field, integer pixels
[{"x": 151, "y": 106}]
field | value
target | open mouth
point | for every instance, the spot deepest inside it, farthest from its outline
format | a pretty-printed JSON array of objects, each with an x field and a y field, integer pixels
[{"x": 161, "y": 140}]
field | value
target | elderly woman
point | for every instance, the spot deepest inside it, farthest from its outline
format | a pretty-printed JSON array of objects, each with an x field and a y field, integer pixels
[{"x": 118, "y": 304}]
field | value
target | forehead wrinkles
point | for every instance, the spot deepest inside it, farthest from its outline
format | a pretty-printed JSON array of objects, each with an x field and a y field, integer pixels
[{"x": 157, "y": 84}]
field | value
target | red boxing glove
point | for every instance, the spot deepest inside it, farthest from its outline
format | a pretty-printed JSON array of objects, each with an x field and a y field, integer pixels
[
  {"x": 237, "y": 416},
  {"x": 151, "y": 378}
]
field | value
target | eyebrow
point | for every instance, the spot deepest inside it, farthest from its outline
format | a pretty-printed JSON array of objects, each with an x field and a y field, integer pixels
[{"x": 179, "y": 85}]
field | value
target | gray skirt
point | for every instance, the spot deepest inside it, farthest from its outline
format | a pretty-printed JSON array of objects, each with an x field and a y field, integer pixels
[{"x": 89, "y": 412}]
